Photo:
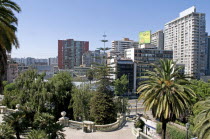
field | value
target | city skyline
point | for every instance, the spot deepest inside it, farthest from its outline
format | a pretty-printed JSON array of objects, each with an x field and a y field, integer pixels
[{"x": 41, "y": 29}]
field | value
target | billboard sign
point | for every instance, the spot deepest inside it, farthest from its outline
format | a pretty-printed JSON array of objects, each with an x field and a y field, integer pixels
[{"x": 145, "y": 37}]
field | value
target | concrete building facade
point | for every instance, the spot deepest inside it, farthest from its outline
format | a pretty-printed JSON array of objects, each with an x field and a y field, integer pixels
[
  {"x": 70, "y": 53},
  {"x": 12, "y": 72},
  {"x": 91, "y": 58},
  {"x": 157, "y": 39},
  {"x": 186, "y": 36},
  {"x": 121, "y": 45}
]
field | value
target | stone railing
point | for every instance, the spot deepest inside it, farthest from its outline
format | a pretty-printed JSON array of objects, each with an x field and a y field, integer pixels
[
  {"x": 111, "y": 127},
  {"x": 140, "y": 135},
  {"x": 89, "y": 126},
  {"x": 5, "y": 110}
]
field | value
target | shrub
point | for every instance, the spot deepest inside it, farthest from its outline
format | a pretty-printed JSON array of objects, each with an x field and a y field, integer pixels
[
  {"x": 172, "y": 132},
  {"x": 139, "y": 124}
]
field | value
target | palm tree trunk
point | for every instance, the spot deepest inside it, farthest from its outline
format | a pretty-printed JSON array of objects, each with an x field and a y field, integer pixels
[
  {"x": 17, "y": 135},
  {"x": 3, "y": 67},
  {"x": 164, "y": 129}
]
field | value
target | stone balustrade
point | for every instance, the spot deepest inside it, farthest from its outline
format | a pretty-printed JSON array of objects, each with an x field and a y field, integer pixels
[
  {"x": 112, "y": 126},
  {"x": 91, "y": 126},
  {"x": 5, "y": 110},
  {"x": 140, "y": 135}
]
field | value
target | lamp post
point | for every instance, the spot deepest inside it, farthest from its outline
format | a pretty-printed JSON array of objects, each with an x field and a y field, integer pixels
[
  {"x": 128, "y": 84},
  {"x": 136, "y": 105},
  {"x": 187, "y": 127}
]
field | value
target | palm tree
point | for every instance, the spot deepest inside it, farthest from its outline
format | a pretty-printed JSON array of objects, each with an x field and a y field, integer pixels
[
  {"x": 165, "y": 92},
  {"x": 202, "y": 119},
  {"x": 37, "y": 134},
  {"x": 47, "y": 123},
  {"x": 6, "y": 132},
  {"x": 8, "y": 23},
  {"x": 17, "y": 121}
]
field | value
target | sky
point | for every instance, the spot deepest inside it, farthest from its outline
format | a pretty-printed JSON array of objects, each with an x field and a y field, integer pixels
[{"x": 43, "y": 22}]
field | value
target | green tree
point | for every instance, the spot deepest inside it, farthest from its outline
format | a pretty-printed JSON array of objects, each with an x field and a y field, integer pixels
[
  {"x": 104, "y": 81},
  {"x": 17, "y": 121},
  {"x": 30, "y": 90},
  {"x": 37, "y": 134},
  {"x": 121, "y": 104},
  {"x": 201, "y": 120},
  {"x": 166, "y": 92},
  {"x": 60, "y": 89},
  {"x": 102, "y": 109},
  {"x": 8, "y": 38},
  {"x": 121, "y": 85},
  {"x": 201, "y": 88},
  {"x": 90, "y": 75},
  {"x": 6, "y": 131},
  {"x": 81, "y": 103}
]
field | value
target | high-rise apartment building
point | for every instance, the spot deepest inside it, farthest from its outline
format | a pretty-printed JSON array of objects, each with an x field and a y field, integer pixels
[
  {"x": 70, "y": 53},
  {"x": 157, "y": 39},
  {"x": 186, "y": 36},
  {"x": 208, "y": 57},
  {"x": 121, "y": 45}
]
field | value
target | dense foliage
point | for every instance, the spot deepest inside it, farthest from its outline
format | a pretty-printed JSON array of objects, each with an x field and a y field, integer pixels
[
  {"x": 30, "y": 90},
  {"x": 102, "y": 109},
  {"x": 37, "y": 134},
  {"x": 37, "y": 97},
  {"x": 7, "y": 131},
  {"x": 121, "y": 85},
  {"x": 201, "y": 88},
  {"x": 139, "y": 124},
  {"x": 81, "y": 103}
]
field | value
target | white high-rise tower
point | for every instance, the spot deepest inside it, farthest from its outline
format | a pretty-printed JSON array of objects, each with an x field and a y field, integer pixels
[{"x": 186, "y": 36}]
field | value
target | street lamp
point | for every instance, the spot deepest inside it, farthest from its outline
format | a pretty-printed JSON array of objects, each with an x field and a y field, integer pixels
[
  {"x": 136, "y": 105},
  {"x": 128, "y": 84},
  {"x": 187, "y": 127}
]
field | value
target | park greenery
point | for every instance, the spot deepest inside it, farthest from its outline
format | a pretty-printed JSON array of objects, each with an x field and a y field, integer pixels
[
  {"x": 172, "y": 132},
  {"x": 43, "y": 101}
]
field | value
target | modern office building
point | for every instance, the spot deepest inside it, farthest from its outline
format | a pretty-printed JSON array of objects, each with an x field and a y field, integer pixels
[
  {"x": 70, "y": 53},
  {"x": 143, "y": 58},
  {"x": 121, "y": 45},
  {"x": 90, "y": 58},
  {"x": 186, "y": 36},
  {"x": 127, "y": 67},
  {"x": 157, "y": 39}
]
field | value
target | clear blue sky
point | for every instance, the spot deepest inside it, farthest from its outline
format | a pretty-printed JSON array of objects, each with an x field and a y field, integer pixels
[{"x": 43, "y": 22}]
